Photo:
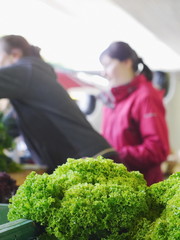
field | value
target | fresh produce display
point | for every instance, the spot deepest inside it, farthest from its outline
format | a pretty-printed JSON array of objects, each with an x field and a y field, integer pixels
[
  {"x": 7, "y": 187},
  {"x": 164, "y": 205},
  {"x": 6, "y": 142},
  {"x": 93, "y": 199},
  {"x": 165, "y": 199},
  {"x": 5, "y": 139},
  {"x": 8, "y": 165}
]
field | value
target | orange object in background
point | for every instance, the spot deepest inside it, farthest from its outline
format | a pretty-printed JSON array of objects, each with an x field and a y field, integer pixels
[{"x": 20, "y": 177}]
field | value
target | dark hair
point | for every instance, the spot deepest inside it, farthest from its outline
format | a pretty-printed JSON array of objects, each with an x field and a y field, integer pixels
[
  {"x": 15, "y": 41},
  {"x": 122, "y": 51}
]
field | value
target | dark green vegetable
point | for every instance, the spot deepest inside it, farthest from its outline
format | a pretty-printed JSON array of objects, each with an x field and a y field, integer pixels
[
  {"x": 6, "y": 142},
  {"x": 5, "y": 139},
  {"x": 8, "y": 165}
]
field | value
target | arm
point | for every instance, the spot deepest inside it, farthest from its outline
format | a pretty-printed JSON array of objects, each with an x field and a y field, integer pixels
[{"x": 152, "y": 126}]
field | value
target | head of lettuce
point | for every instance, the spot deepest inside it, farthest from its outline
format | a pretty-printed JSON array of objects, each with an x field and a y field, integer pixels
[{"x": 87, "y": 199}]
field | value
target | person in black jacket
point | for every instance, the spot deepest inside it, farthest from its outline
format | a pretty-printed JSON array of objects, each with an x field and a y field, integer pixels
[{"x": 52, "y": 125}]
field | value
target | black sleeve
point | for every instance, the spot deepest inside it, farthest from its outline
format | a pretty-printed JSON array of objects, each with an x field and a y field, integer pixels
[{"x": 14, "y": 81}]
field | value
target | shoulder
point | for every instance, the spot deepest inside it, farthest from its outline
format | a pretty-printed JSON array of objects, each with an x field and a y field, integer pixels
[
  {"x": 39, "y": 64},
  {"x": 147, "y": 98},
  {"x": 15, "y": 70},
  {"x": 146, "y": 92}
]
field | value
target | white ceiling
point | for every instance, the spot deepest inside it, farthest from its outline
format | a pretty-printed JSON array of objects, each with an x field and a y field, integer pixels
[
  {"x": 162, "y": 17},
  {"x": 74, "y": 32}
]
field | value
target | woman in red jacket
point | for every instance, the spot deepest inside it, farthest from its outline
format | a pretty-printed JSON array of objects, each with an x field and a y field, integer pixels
[{"x": 134, "y": 121}]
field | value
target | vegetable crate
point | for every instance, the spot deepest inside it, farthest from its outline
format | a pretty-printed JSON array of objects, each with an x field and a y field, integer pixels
[{"x": 17, "y": 230}]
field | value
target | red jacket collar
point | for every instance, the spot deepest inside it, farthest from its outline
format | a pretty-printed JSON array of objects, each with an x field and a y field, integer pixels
[{"x": 124, "y": 91}]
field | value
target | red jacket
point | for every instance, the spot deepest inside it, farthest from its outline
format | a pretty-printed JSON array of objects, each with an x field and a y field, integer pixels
[{"x": 137, "y": 129}]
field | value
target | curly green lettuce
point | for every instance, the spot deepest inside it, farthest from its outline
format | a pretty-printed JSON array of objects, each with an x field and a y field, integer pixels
[
  {"x": 165, "y": 198},
  {"x": 97, "y": 199},
  {"x": 83, "y": 199}
]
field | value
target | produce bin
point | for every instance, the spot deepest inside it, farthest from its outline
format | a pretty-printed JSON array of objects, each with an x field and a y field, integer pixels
[
  {"x": 3, "y": 213},
  {"x": 16, "y": 230}
]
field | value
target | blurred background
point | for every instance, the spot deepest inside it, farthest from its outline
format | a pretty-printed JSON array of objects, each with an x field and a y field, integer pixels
[{"x": 72, "y": 34}]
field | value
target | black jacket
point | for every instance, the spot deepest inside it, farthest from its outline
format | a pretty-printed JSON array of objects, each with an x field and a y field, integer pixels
[{"x": 53, "y": 126}]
